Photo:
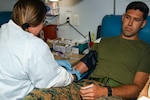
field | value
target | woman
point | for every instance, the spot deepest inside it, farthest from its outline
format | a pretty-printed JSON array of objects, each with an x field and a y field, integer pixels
[{"x": 25, "y": 60}]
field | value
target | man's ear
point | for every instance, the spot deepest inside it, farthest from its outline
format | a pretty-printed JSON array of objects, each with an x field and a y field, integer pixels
[
  {"x": 144, "y": 23},
  {"x": 122, "y": 17}
]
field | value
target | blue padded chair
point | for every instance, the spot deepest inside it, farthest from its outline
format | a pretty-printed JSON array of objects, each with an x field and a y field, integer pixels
[
  {"x": 5, "y": 16},
  {"x": 112, "y": 26}
]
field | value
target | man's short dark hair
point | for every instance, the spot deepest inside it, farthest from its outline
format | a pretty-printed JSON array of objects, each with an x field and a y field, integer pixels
[{"x": 138, "y": 5}]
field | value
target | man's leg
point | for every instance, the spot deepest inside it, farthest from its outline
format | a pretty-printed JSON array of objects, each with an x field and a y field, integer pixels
[
  {"x": 61, "y": 93},
  {"x": 70, "y": 92},
  {"x": 110, "y": 98}
]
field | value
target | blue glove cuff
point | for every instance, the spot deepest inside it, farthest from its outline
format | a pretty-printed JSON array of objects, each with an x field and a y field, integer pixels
[{"x": 77, "y": 73}]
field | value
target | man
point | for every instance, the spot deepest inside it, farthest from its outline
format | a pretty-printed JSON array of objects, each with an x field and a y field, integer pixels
[{"x": 122, "y": 64}]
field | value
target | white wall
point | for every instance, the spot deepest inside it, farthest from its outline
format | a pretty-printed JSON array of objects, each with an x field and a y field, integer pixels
[
  {"x": 90, "y": 14},
  {"x": 121, "y": 5},
  {"x": 7, "y": 5}
]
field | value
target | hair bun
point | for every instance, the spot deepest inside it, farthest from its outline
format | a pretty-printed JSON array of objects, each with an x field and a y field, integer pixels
[{"x": 25, "y": 26}]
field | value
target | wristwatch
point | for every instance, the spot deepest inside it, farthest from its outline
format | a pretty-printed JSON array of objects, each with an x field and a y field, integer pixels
[{"x": 109, "y": 90}]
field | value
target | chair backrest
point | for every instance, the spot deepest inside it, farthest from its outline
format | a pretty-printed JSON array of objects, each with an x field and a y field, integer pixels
[
  {"x": 4, "y": 17},
  {"x": 112, "y": 26}
]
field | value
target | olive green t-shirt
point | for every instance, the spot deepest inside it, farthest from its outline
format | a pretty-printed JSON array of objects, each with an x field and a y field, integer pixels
[{"x": 120, "y": 59}]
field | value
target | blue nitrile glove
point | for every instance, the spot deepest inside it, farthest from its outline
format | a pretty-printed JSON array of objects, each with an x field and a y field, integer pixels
[{"x": 66, "y": 64}]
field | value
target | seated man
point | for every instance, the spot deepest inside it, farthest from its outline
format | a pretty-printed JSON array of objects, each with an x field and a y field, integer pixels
[{"x": 122, "y": 67}]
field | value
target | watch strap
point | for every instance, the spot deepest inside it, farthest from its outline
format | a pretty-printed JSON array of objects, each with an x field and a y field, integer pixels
[{"x": 109, "y": 90}]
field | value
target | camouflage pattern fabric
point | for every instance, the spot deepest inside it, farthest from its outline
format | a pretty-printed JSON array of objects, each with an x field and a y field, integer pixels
[{"x": 70, "y": 92}]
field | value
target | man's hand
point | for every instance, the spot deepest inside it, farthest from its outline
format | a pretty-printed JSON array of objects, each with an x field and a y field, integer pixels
[{"x": 93, "y": 91}]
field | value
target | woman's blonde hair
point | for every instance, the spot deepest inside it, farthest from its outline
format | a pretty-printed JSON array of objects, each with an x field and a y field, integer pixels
[{"x": 28, "y": 13}]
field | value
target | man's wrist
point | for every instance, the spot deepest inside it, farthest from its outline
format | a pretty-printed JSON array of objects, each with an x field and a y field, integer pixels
[
  {"x": 109, "y": 90},
  {"x": 81, "y": 67}
]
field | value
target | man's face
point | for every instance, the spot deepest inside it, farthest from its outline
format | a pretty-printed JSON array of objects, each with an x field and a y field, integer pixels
[{"x": 132, "y": 21}]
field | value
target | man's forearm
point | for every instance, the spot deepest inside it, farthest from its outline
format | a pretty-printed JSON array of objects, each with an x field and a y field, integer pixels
[
  {"x": 81, "y": 67},
  {"x": 126, "y": 91},
  {"x": 132, "y": 90}
]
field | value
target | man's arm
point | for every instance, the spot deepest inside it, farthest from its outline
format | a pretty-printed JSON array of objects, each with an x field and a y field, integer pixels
[
  {"x": 80, "y": 67},
  {"x": 132, "y": 90},
  {"x": 125, "y": 91}
]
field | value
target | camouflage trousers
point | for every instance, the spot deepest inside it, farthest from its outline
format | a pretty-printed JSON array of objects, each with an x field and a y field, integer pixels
[{"x": 70, "y": 92}]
